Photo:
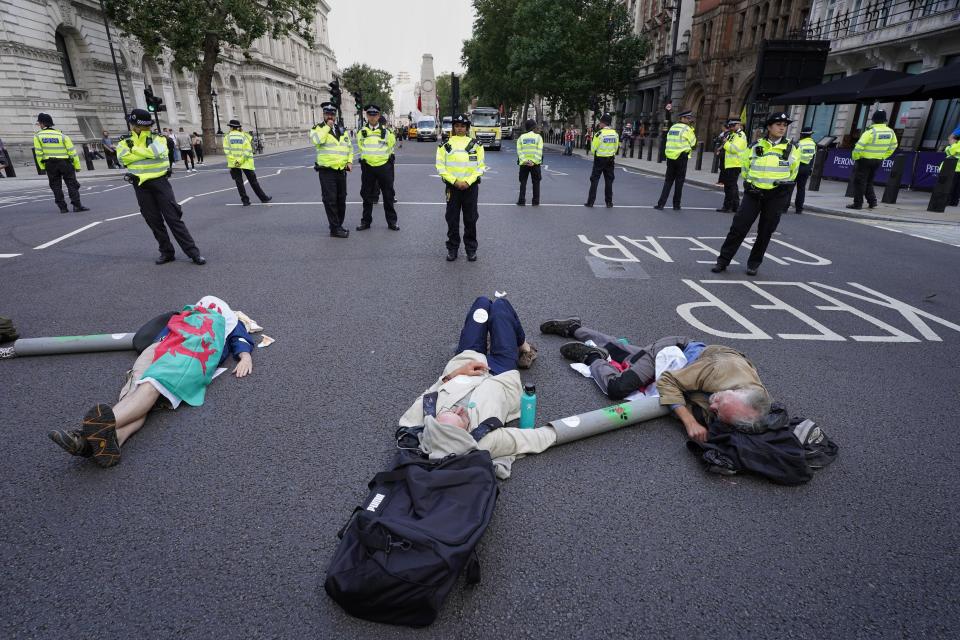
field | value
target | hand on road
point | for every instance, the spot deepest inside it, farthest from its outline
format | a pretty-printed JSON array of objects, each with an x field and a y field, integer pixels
[
  {"x": 697, "y": 433},
  {"x": 244, "y": 367}
]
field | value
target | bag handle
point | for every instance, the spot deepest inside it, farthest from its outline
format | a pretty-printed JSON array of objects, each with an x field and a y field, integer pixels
[
  {"x": 472, "y": 570},
  {"x": 343, "y": 529}
]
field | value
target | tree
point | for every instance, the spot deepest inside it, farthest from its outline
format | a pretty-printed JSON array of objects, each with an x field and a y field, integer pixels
[
  {"x": 485, "y": 55},
  {"x": 444, "y": 95},
  {"x": 196, "y": 33},
  {"x": 373, "y": 84}
]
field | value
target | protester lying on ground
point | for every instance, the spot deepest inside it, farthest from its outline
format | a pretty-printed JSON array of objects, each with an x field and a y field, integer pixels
[
  {"x": 178, "y": 365},
  {"x": 479, "y": 392}
]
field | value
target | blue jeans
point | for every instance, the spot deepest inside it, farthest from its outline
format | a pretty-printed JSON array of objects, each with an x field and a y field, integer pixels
[{"x": 502, "y": 324}]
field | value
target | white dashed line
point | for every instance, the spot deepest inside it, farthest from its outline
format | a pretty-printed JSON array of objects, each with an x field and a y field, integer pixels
[{"x": 65, "y": 236}]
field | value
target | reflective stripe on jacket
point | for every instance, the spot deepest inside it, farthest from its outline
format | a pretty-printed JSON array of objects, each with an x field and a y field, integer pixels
[
  {"x": 808, "y": 149},
  {"x": 605, "y": 143},
  {"x": 530, "y": 148},
  {"x": 376, "y": 145},
  {"x": 238, "y": 147},
  {"x": 681, "y": 139},
  {"x": 332, "y": 152},
  {"x": 148, "y": 159},
  {"x": 733, "y": 148},
  {"x": 454, "y": 162},
  {"x": 50, "y": 144},
  {"x": 878, "y": 142},
  {"x": 769, "y": 168}
]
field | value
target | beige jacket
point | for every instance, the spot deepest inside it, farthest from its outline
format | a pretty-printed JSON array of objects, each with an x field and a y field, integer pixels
[{"x": 717, "y": 369}]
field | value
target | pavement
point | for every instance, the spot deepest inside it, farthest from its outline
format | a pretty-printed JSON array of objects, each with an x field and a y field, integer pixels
[
  {"x": 911, "y": 206},
  {"x": 220, "y": 519}
]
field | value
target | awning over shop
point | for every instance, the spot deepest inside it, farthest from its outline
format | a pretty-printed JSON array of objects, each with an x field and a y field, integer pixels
[
  {"x": 937, "y": 84},
  {"x": 846, "y": 90}
]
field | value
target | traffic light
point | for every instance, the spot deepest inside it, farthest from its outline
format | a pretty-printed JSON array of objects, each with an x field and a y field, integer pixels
[
  {"x": 335, "y": 93},
  {"x": 154, "y": 103},
  {"x": 358, "y": 100}
]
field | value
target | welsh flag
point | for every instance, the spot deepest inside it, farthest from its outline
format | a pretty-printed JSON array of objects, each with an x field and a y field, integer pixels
[{"x": 187, "y": 357}]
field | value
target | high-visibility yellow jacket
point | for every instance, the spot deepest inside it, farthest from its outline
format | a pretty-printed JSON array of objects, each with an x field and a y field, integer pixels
[
  {"x": 460, "y": 158},
  {"x": 144, "y": 155},
  {"x": 332, "y": 152},
  {"x": 605, "y": 143},
  {"x": 51, "y": 143},
  {"x": 733, "y": 148},
  {"x": 238, "y": 147},
  {"x": 878, "y": 142},
  {"x": 952, "y": 151},
  {"x": 376, "y": 144},
  {"x": 765, "y": 165},
  {"x": 681, "y": 138},
  {"x": 530, "y": 148},
  {"x": 808, "y": 149}
]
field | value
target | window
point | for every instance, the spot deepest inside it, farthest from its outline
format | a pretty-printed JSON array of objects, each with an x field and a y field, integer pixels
[
  {"x": 820, "y": 117},
  {"x": 943, "y": 117},
  {"x": 65, "y": 60}
]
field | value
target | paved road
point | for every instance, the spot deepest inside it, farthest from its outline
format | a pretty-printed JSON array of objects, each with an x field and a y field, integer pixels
[{"x": 220, "y": 519}]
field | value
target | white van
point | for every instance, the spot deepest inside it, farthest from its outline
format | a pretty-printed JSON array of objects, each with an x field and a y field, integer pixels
[{"x": 426, "y": 129}]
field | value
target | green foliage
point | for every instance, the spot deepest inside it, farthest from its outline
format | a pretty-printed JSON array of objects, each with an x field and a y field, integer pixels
[
  {"x": 374, "y": 84},
  {"x": 444, "y": 95}
]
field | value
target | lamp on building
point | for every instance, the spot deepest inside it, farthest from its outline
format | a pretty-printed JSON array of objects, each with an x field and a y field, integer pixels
[{"x": 216, "y": 109}]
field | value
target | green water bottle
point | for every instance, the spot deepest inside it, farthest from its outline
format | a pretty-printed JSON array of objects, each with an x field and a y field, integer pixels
[{"x": 528, "y": 407}]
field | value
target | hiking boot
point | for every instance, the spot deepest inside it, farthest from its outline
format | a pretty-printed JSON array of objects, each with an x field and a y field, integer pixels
[
  {"x": 563, "y": 327},
  {"x": 72, "y": 442},
  {"x": 580, "y": 352},
  {"x": 528, "y": 353},
  {"x": 100, "y": 432}
]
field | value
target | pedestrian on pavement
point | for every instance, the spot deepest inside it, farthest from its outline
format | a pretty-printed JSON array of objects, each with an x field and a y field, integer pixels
[
  {"x": 530, "y": 158},
  {"x": 238, "y": 148},
  {"x": 460, "y": 164},
  {"x": 186, "y": 150},
  {"x": 163, "y": 374},
  {"x": 808, "y": 151},
  {"x": 734, "y": 146},
  {"x": 197, "y": 140},
  {"x": 56, "y": 155},
  {"x": 603, "y": 145},
  {"x": 110, "y": 151},
  {"x": 875, "y": 145},
  {"x": 568, "y": 141},
  {"x": 769, "y": 171},
  {"x": 681, "y": 139},
  {"x": 334, "y": 159},
  {"x": 953, "y": 151},
  {"x": 146, "y": 157},
  {"x": 376, "y": 143}
]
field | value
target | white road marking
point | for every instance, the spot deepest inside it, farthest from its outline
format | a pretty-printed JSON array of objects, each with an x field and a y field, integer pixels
[
  {"x": 186, "y": 200},
  {"x": 9, "y": 255},
  {"x": 485, "y": 204},
  {"x": 135, "y": 213},
  {"x": 65, "y": 236}
]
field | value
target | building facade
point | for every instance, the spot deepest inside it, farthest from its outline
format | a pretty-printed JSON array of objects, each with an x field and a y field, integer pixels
[
  {"x": 55, "y": 57},
  {"x": 911, "y": 36}
]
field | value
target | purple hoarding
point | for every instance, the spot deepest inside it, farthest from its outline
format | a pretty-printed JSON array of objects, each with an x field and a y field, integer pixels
[
  {"x": 839, "y": 166},
  {"x": 927, "y": 169}
]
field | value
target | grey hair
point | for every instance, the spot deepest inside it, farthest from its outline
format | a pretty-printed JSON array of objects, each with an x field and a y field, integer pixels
[{"x": 759, "y": 402}]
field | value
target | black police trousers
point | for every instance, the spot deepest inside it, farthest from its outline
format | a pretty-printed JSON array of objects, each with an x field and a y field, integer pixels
[
  {"x": 333, "y": 187},
  {"x": 374, "y": 180},
  {"x": 803, "y": 174},
  {"x": 238, "y": 174},
  {"x": 863, "y": 171},
  {"x": 731, "y": 191},
  {"x": 534, "y": 174},
  {"x": 59, "y": 171},
  {"x": 768, "y": 205},
  {"x": 675, "y": 176},
  {"x": 158, "y": 205},
  {"x": 601, "y": 166},
  {"x": 464, "y": 200}
]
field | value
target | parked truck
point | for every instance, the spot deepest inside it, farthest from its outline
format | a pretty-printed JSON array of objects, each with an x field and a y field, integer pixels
[{"x": 485, "y": 127}]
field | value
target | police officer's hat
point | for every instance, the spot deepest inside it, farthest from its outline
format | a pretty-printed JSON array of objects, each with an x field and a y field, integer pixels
[
  {"x": 806, "y": 131},
  {"x": 372, "y": 110},
  {"x": 462, "y": 119},
  {"x": 328, "y": 107},
  {"x": 879, "y": 116},
  {"x": 733, "y": 121},
  {"x": 606, "y": 118},
  {"x": 530, "y": 124},
  {"x": 140, "y": 117},
  {"x": 686, "y": 114},
  {"x": 777, "y": 117},
  {"x": 44, "y": 119},
  {"x": 235, "y": 124}
]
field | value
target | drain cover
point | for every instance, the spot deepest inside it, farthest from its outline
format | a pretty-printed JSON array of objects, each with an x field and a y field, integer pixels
[{"x": 621, "y": 270}]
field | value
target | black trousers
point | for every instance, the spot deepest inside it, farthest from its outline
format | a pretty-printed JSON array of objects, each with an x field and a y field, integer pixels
[
  {"x": 674, "y": 178},
  {"x": 601, "y": 166},
  {"x": 768, "y": 205},
  {"x": 374, "y": 180},
  {"x": 198, "y": 149},
  {"x": 863, "y": 172},
  {"x": 955, "y": 191},
  {"x": 238, "y": 174},
  {"x": 158, "y": 206},
  {"x": 58, "y": 172},
  {"x": 112, "y": 161},
  {"x": 187, "y": 154},
  {"x": 535, "y": 175},
  {"x": 731, "y": 191},
  {"x": 466, "y": 201},
  {"x": 803, "y": 174},
  {"x": 333, "y": 186}
]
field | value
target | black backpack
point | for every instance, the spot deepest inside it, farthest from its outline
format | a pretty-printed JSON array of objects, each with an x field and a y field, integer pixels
[{"x": 402, "y": 550}]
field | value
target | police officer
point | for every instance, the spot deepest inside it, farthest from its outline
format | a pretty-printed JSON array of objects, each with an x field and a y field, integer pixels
[
  {"x": 460, "y": 165},
  {"x": 238, "y": 147},
  {"x": 334, "y": 159},
  {"x": 734, "y": 146},
  {"x": 56, "y": 155},
  {"x": 604, "y": 147},
  {"x": 145, "y": 157},
  {"x": 875, "y": 145},
  {"x": 808, "y": 151},
  {"x": 530, "y": 157},
  {"x": 376, "y": 143},
  {"x": 769, "y": 170},
  {"x": 952, "y": 150},
  {"x": 681, "y": 139}
]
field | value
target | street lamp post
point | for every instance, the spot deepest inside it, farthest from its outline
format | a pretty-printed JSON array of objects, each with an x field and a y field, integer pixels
[
  {"x": 116, "y": 70},
  {"x": 673, "y": 61},
  {"x": 216, "y": 109}
]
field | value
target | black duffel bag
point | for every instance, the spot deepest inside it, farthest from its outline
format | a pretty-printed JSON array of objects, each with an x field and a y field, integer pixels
[{"x": 402, "y": 550}]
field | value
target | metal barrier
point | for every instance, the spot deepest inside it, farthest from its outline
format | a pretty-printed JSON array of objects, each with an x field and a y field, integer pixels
[
  {"x": 892, "y": 190},
  {"x": 941, "y": 191}
]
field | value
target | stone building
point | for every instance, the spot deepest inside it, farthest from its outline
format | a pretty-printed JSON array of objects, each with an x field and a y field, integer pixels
[{"x": 54, "y": 57}]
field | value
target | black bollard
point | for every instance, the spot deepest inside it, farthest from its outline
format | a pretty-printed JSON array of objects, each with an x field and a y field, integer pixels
[
  {"x": 941, "y": 191},
  {"x": 892, "y": 190},
  {"x": 699, "y": 156},
  {"x": 661, "y": 149},
  {"x": 816, "y": 175},
  {"x": 87, "y": 156},
  {"x": 11, "y": 172},
  {"x": 851, "y": 183},
  {"x": 715, "y": 166},
  {"x": 650, "y": 152},
  {"x": 640, "y": 149},
  {"x": 632, "y": 141}
]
